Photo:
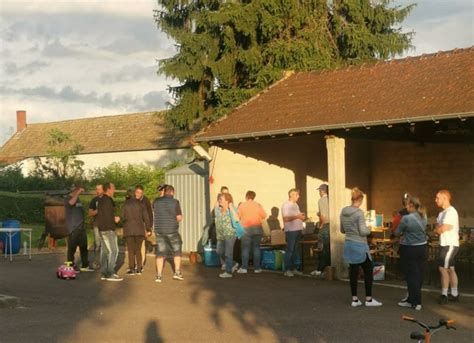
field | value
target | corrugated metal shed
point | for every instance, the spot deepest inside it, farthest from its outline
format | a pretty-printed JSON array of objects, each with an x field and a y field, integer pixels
[{"x": 191, "y": 183}]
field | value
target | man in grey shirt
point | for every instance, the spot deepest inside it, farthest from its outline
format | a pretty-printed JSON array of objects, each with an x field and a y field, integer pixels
[{"x": 324, "y": 255}]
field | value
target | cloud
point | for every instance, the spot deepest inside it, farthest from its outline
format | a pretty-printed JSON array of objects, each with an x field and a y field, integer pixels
[
  {"x": 130, "y": 73},
  {"x": 152, "y": 100},
  {"x": 13, "y": 69}
]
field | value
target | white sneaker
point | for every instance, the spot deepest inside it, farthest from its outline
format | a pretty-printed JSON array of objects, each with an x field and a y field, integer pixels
[
  {"x": 242, "y": 271},
  {"x": 257, "y": 271},
  {"x": 225, "y": 275},
  {"x": 404, "y": 304},
  {"x": 418, "y": 307},
  {"x": 235, "y": 267},
  {"x": 288, "y": 273},
  {"x": 297, "y": 272},
  {"x": 356, "y": 303},
  {"x": 372, "y": 303},
  {"x": 315, "y": 273}
]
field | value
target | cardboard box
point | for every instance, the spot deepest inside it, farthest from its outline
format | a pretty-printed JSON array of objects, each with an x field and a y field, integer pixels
[{"x": 277, "y": 237}]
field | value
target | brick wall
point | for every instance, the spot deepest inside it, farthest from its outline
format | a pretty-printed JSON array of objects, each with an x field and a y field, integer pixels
[{"x": 422, "y": 170}]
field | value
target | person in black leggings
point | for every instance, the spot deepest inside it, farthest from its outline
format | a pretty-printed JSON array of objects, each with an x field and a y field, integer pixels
[{"x": 356, "y": 249}]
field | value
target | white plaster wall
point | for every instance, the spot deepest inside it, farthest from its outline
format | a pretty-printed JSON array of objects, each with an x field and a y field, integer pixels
[{"x": 156, "y": 158}]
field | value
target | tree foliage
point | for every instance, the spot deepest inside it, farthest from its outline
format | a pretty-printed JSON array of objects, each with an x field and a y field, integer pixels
[
  {"x": 61, "y": 162},
  {"x": 229, "y": 50}
]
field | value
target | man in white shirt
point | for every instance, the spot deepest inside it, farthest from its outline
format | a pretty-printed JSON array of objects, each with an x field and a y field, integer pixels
[
  {"x": 448, "y": 230},
  {"x": 293, "y": 225}
]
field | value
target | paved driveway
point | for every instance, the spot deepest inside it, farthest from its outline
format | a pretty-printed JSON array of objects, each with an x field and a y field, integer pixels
[{"x": 204, "y": 308}]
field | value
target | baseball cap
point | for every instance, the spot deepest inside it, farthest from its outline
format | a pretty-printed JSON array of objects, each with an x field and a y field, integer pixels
[{"x": 323, "y": 187}]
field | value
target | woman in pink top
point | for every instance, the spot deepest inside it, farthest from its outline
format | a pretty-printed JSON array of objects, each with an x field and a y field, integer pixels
[{"x": 251, "y": 216}]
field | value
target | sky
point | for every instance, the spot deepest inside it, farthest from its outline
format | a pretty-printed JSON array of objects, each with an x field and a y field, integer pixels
[{"x": 68, "y": 59}]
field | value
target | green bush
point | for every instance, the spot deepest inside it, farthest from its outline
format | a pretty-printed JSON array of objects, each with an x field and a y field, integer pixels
[{"x": 26, "y": 208}]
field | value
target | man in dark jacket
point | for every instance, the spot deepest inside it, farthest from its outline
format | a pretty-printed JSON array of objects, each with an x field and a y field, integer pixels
[
  {"x": 135, "y": 222},
  {"x": 149, "y": 210},
  {"x": 75, "y": 225},
  {"x": 167, "y": 215},
  {"x": 106, "y": 221}
]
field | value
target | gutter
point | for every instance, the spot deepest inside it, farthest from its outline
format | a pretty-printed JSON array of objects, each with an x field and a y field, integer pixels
[{"x": 345, "y": 126}]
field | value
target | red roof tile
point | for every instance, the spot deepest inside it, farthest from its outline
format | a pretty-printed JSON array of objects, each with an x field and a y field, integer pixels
[
  {"x": 127, "y": 132},
  {"x": 411, "y": 89}
]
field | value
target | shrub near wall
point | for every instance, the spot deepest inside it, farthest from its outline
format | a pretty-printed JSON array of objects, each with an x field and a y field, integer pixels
[{"x": 27, "y": 208}]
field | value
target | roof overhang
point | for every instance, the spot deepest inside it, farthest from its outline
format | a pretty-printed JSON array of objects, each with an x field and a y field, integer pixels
[{"x": 344, "y": 126}]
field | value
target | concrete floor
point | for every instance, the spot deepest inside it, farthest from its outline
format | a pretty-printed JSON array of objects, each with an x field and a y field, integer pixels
[{"x": 203, "y": 308}]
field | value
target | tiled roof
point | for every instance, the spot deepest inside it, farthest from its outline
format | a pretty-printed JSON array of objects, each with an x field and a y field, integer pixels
[
  {"x": 411, "y": 89},
  {"x": 128, "y": 132}
]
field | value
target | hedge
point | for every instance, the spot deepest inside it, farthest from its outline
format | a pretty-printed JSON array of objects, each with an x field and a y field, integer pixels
[{"x": 29, "y": 208}]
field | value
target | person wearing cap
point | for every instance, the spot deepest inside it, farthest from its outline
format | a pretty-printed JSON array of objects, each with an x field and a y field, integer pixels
[
  {"x": 324, "y": 254},
  {"x": 75, "y": 224},
  {"x": 167, "y": 216}
]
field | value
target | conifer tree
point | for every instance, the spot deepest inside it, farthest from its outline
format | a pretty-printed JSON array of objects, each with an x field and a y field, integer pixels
[{"x": 229, "y": 50}]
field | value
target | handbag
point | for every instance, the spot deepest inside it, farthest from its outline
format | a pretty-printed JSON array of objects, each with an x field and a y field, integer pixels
[{"x": 239, "y": 230}]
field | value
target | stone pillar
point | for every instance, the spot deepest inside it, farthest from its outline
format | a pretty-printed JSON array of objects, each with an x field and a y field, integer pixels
[{"x": 337, "y": 184}]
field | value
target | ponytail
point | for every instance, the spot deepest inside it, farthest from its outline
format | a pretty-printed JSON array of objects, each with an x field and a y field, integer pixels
[{"x": 416, "y": 203}]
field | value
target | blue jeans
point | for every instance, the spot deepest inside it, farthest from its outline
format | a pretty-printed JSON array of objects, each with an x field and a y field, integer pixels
[
  {"x": 108, "y": 252},
  {"x": 251, "y": 240},
  {"x": 291, "y": 255},
  {"x": 225, "y": 250},
  {"x": 96, "y": 246}
]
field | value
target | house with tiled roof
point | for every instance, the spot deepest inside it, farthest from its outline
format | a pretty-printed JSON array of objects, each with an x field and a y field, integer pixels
[
  {"x": 404, "y": 125},
  {"x": 137, "y": 138}
]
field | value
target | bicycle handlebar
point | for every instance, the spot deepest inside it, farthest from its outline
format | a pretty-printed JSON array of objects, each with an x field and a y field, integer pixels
[{"x": 442, "y": 322}]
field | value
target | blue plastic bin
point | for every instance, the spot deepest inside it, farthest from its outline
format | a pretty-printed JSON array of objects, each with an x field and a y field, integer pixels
[
  {"x": 271, "y": 259},
  {"x": 16, "y": 237},
  {"x": 211, "y": 259}
]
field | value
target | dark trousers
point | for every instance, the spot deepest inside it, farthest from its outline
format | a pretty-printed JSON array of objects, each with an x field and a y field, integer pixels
[
  {"x": 78, "y": 238},
  {"x": 415, "y": 261},
  {"x": 368, "y": 276},
  {"x": 324, "y": 256},
  {"x": 134, "y": 248},
  {"x": 291, "y": 255}
]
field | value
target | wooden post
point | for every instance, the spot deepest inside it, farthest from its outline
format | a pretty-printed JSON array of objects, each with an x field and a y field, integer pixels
[{"x": 337, "y": 184}]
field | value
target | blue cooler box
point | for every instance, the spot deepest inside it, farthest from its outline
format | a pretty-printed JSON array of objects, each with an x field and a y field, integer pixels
[
  {"x": 16, "y": 237},
  {"x": 271, "y": 259},
  {"x": 211, "y": 259}
]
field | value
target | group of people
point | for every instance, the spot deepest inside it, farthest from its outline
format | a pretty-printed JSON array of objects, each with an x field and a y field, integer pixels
[
  {"x": 139, "y": 216},
  {"x": 245, "y": 221},
  {"x": 409, "y": 224}
]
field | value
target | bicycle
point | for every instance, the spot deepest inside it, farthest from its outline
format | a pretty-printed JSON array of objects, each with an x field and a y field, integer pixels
[{"x": 429, "y": 330}]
